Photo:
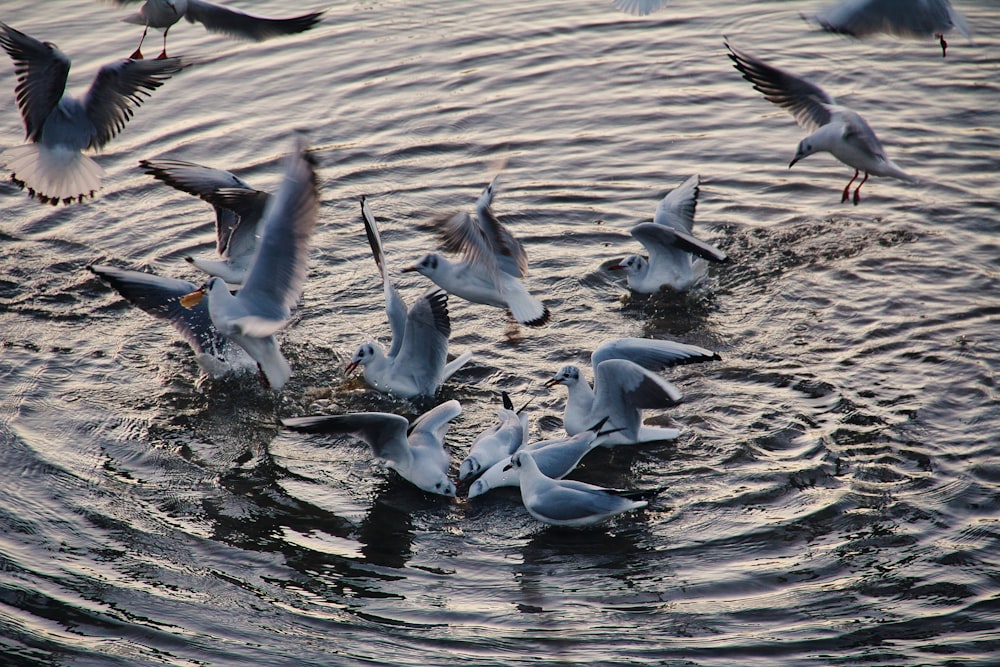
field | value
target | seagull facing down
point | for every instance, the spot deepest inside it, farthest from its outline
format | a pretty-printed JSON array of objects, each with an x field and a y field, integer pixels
[
  {"x": 263, "y": 307},
  {"x": 162, "y": 14},
  {"x": 492, "y": 265},
  {"x": 566, "y": 502},
  {"x": 417, "y": 361},
  {"x": 917, "y": 19},
  {"x": 673, "y": 251},
  {"x": 239, "y": 210},
  {"x": 835, "y": 129},
  {"x": 624, "y": 385},
  {"x": 497, "y": 442},
  {"x": 52, "y": 167},
  {"x": 420, "y": 457}
]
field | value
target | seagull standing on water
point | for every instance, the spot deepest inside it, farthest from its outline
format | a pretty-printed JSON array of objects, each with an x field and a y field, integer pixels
[
  {"x": 274, "y": 283},
  {"x": 916, "y": 19},
  {"x": 673, "y": 251},
  {"x": 162, "y": 14},
  {"x": 492, "y": 265},
  {"x": 52, "y": 167},
  {"x": 417, "y": 361},
  {"x": 624, "y": 385},
  {"x": 566, "y": 502},
  {"x": 239, "y": 210},
  {"x": 835, "y": 129},
  {"x": 420, "y": 457}
]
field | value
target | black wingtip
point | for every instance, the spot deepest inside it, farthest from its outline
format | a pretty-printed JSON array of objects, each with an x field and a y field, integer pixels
[
  {"x": 540, "y": 321},
  {"x": 507, "y": 403}
]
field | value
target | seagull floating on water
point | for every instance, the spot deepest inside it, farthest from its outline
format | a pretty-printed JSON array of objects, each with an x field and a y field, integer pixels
[
  {"x": 417, "y": 361},
  {"x": 835, "y": 129},
  {"x": 419, "y": 457},
  {"x": 566, "y": 502},
  {"x": 673, "y": 250},
  {"x": 274, "y": 283},
  {"x": 492, "y": 265},
  {"x": 52, "y": 167},
  {"x": 624, "y": 385},
  {"x": 162, "y": 14},
  {"x": 556, "y": 458},
  {"x": 497, "y": 442},
  {"x": 160, "y": 297},
  {"x": 239, "y": 210},
  {"x": 917, "y": 19}
]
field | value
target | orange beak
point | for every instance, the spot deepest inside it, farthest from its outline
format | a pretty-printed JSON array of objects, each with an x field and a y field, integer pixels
[{"x": 193, "y": 299}]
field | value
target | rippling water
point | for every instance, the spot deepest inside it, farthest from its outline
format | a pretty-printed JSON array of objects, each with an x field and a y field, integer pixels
[{"x": 833, "y": 499}]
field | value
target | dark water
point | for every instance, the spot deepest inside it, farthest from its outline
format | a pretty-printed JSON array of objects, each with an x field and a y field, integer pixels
[{"x": 832, "y": 501}]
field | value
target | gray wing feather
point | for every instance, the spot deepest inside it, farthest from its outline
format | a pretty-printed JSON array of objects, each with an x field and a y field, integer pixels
[
  {"x": 652, "y": 235},
  {"x": 385, "y": 433},
  {"x": 41, "y": 71},
  {"x": 246, "y": 26},
  {"x": 677, "y": 209},
  {"x": 395, "y": 307},
  {"x": 654, "y": 355}
]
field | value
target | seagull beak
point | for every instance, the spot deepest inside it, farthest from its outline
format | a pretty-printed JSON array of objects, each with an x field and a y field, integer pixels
[
  {"x": 509, "y": 466},
  {"x": 409, "y": 269},
  {"x": 553, "y": 382},
  {"x": 193, "y": 299},
  {"x": 616, "y": 267},
  {"x": 350, "y": 367},
  {"x": 794, "y": 160}
]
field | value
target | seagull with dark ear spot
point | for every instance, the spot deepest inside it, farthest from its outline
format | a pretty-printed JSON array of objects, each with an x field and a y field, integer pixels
[
  {"x": 60, "y": 127},
  {"x": 162, "y": 14}
]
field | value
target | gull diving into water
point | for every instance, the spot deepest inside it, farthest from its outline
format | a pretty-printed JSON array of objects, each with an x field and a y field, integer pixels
[
  {"x": 239, "y": 210},
  {"x": 162, "y": 14},
  {"x": 52, "y": 167},
  {"x": 624, "y": 385},
  {"x": 835, "y": 129},
  {"x": 497, "y": 442},
  {"x": 566, "y": 502},
  {"x": 492, "y": 265},
  {"x": 916, "y": 19},
  {"x": 274, "y": 283},
  {"x": 674, "y": 253},
  {"x": 417, "y": 361},
  {"x": 418, "y": 456}
]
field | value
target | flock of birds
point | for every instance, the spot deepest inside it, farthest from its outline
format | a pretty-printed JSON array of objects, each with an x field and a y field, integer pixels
[{"x": 231, "y": 321}]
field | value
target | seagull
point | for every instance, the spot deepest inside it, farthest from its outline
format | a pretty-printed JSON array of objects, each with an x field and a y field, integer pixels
[
  {"x": 420, "y": 457},
  {"x": 416, "y": 363},
  {"x": 160, "y": 297},
  {"x": 672, "y": 249},
  {"x": 59, "y": 127},
  {"x": 162, "y": 14},
  {"x": 492, "y": 265},
  {"x": 277, "y": 273},
  {"x": 239, "y": 210},
  {"x": 499, "y": 441},
  {"x": 916, "y": 19},
  {"x": 624, "y": 385},
  {"x": 566, "y": 502},
  {"x": 835, "y": 129},
  {"x": 639, "y": 7},
  {"x": 555, "y": 458}
]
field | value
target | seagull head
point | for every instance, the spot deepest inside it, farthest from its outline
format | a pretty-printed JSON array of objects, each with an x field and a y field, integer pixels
[
  {"x": 470, "y": 466},
  {"x": 567, "y": 375},
  {"x": 426, "y": 265},
  {"x": 521, "y": 460},
  {"x": 631, "y": 265},
  {"x": 365, "y": 354},
  {"x": 805, "y": 149}
]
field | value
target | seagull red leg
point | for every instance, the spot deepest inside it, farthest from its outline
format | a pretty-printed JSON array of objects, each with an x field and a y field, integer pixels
[
  {"x": 847, "y": 188},
  {"x": 944, "y": 44},
  {"x": 137, "y": 54},
  {"x": 857, "y": 197},
  {"x": 163, "y": 53}
]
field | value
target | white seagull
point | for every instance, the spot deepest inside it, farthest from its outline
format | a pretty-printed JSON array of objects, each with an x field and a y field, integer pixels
[
  {"x": 263, "y": 307},
  {"x": 420, "y": 457},
  {"x": 916, "y": 19},
  {"x": 160, "y": 297},
  {"x": 59, "y": 127},
  {"x": 673, "y": 251},
  {"x": 239, "y": 210},
  {"x": 566, "y": 502},
  {"x": 162, "y": 14},
  {"x": 624, "y": 385},
  {"x": 492, "y": 265},
  {"x": 555, "y": 458},
  {"x": 417, "y": 361},
  {"x": 497, "y": 442},
  {"x": 835, "y": 129}
]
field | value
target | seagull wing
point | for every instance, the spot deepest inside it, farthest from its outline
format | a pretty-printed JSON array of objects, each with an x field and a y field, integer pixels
[
  {"x": 435, "y": 422},
  {"x": 278, "y": 271},
  {"x": 654, "y": 355},
  {"x": 119, "y": 88},
  {"x": 385, "y": 433},
  {"x": 807, "y": 102},
  {"x": 655, "y": 237},
  {"x": 160, "y": 297},
  {"x": 246, "y": 26},
  {"x": 395, "y": 307},
  {"x": 41, "y": 71},
  {"x": 676, "y": 210},
  {"x": 424, "y": 350},
  {"x": 623, "y": 388}
]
